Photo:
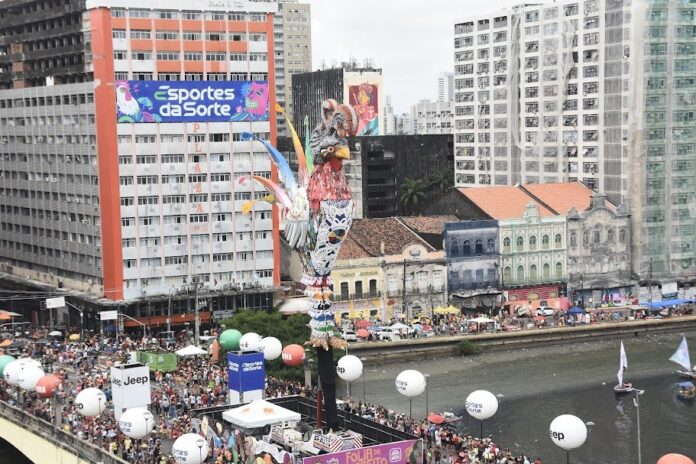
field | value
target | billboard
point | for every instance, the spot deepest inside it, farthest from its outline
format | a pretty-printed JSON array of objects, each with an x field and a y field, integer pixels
[
  {"x": 246, "y": 373},
  {"x": 407, "y": 451},
  {"x": 130, "y": 387},
  {"x": 362, "y": 91},
  {"x": 191, "y": 101}
]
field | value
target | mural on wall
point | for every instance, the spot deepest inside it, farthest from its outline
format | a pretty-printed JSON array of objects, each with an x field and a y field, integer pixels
[{"x": 364, "y": 98}]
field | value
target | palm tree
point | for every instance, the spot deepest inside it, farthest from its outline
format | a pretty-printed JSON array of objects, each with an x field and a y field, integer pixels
[
  {"x": 443, "y": 180},
  {"x": 411, "y": 193}
]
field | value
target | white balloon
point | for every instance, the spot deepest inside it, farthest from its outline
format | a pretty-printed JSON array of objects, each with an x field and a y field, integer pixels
[
  {"x": 136, "y": 423},
  {"x": 29, "y": 362},
  {"x": 568, "y": 432},
  {"x": 190, "y": 448},
  {"x": 349, "y": 368},
  {"x": 481, "y": 404},
  {"x": 90, "y": 402},
  {"x": 29, "y": 376},
  {"x": 250, "y": 342},
  {"x": 410, "y": 383},
  {"x": 12, "y": 372},
  {"x": 271, "y": 347}
]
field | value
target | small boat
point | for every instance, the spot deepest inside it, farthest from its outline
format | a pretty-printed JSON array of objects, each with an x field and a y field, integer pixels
[
  {"x": 686, "y": 391},
  {"x": 681, "y": 357},
  {"x": 623, "y": 387}
]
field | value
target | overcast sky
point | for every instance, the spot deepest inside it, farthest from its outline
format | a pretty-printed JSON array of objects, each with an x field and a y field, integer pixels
[{"x": 411, "y": 40}]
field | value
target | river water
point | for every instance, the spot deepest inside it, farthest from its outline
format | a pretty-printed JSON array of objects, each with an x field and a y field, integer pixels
[{"x": 539, "y": 384}]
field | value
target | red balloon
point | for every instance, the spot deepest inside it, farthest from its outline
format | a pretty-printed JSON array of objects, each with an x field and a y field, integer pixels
[
  {"x": 673, "y": 458},
  {"x": 47, "y": 385},
  {"x": 293, "y": 355}
]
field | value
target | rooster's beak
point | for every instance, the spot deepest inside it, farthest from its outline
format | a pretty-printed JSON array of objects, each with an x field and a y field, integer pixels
[{"x": 342, "y": 152}]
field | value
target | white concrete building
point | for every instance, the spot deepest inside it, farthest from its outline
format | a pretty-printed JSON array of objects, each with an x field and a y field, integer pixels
[
  {"x": 292, "y": 39},
  {"x": 432, "y": 117},
  {"x": 445, "y": 87}
]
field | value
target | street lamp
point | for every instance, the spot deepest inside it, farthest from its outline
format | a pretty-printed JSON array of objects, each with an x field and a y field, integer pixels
[
  {"x": 137, "y": 321},
  {"x": 363, "y": 378},
  {"x": 636, "y": 403},
  {"x": 82, "y": 319},
  {"x": 427, "y": 379}
]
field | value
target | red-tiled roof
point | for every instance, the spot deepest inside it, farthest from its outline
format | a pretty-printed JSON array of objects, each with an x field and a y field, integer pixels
[
  {"x": 428, "y": 224},
  {"x": 502, "y": 202},
  {"x": 352, "y": 249},
  {"x": 562, "y": 197},
  {"x": 369, "y": 235}
]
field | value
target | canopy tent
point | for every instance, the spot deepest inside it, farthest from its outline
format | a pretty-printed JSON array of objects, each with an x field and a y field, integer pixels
[
  {"x": 448, "y": 310},
  {"x": 399, "y": 326},
  {"x": 576, "y": 310},
  {"x": 481, "y": 320},
  {"x": 259, "y": 413},
  {"x": 190, "y": 351},
  {"x": 664, "y": 303},
  {"x": 55, "y": 333},
  {"x": 294, "y": 306}
]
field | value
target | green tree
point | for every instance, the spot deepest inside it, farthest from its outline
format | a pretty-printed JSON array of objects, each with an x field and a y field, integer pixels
[
  {"x": 442, "y": 181},
  {"x": 412, "y": 193}
]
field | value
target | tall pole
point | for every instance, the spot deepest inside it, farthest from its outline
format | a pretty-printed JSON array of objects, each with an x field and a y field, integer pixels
[
  {"x": 403, "y": 291},
  {"x": 636, "y": 402},
  {"x": 169, "y": 315},
  {"x": 650, "y": 284},
  {"x": 198, "y": 316}
]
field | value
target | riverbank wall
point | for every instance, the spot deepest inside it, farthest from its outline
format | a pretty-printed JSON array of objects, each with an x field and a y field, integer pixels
[{"x": 430, "y": 347}]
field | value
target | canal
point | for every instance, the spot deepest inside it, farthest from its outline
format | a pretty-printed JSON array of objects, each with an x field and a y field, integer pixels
[{"x": 539, "y": 384}]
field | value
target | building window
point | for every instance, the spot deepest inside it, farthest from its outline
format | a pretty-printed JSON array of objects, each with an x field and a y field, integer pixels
[
  {"x": 546, "y": 271},
  {"x": 597, "y": 235},
  {"x": 490, "y": 245},
  {"x": 558, "y": 241},
  {"x": 586, "y": 238},
  {"x": 545, "y": 242},
  {"x": 520, "y": 273},
  {"x": 559, "y": 270},
  {"x": 622, "y": 235},
  {"x": 344, "y": 290},
  {"x": 507, "y": 274},
  {"x": 478, "y": 247},
  {"x": 573, "y": 239},
  {"x": 533, "y": 273},
  {"x": 520, "y": 243},
  {"x": 506, "y": 244},
  {"x": 532, "y": 243},
  {"x": 466, "y": 248},
  {"x": 454, "y": 248},
  {"x": 358, "y": 289},
  {"x": 373, "y": 287}
]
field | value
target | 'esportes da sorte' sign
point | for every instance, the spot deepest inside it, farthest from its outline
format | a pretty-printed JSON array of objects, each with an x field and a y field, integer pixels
[{"x": 191, "y": 101}]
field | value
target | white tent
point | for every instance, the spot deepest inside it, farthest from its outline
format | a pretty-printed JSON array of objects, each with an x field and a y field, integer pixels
[
  {"x": 482, "y": 320},
  {"x": 294, "y": 306},
  {"x": 259, "y": 413},
  {"x": 399, "y": 326},
  {"x": 190, "y": 351}
]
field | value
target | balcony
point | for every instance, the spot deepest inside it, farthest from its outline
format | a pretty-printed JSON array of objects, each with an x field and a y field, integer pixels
[{"x": 355, "y": 296}]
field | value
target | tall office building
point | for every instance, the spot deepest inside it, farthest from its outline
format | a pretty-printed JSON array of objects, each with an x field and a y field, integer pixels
[
  {"x": 595, "y": 91},
  {"x": 293, "y": 51},
  {"x": 445, "y": 87},
  {"x": 121, "y": 157},
  {"x": 432, "y": 117}
]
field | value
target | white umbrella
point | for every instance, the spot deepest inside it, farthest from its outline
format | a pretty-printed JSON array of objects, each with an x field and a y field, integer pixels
[
  {"x": 482, "y": 320},
  {"x": 399, "y": 326},
  {"x": 190, "y": 351},
  {"x": 294, "y": 306},
  {"x": 56, "y": 333}
]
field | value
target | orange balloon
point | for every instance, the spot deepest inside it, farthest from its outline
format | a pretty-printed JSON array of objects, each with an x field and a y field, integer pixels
[
  {"x": 674, "y": 458},
  {"x": 293, "y": 355},
  {"x": 47, "y": 385}
]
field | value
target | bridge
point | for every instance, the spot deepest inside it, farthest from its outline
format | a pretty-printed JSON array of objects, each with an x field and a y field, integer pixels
[{"x": 41, "y": 442}]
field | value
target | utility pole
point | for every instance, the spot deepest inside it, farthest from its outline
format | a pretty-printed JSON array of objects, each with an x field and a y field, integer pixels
[
  {"x": 403, "y": 291},
  {"x": 650, "y": 284},
  {"x": 169, "y": 315},
  {"x": 197, "y": 321}
]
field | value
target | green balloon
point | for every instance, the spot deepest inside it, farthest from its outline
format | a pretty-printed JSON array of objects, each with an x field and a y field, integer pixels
[
  {"x": 4, "y": 361},
  {"x": 229, "y": 339}
]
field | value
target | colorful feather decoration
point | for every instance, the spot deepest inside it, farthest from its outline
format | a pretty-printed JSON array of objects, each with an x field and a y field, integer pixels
[
  {"x": 301, "y": 160},
  {"x": 279, "y": 160}
]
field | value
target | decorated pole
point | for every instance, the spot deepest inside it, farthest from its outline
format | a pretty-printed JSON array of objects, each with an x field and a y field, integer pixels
[{"x": 317, "y": 208}]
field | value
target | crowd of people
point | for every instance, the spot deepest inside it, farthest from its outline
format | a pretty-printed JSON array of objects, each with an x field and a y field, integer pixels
[{"x": 198, "y": 382}]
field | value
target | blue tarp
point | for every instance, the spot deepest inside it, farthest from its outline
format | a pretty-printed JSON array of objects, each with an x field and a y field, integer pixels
[
  {"x": 576, "y": 310},
  {"x": 686, "y": 384},
  {"x": 665, "y": 303}
]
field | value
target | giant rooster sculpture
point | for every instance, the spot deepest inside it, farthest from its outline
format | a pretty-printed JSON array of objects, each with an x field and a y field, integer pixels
[{"x": 317, "y": 210}]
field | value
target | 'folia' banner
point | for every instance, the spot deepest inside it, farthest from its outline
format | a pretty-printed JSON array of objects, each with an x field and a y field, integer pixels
[
  {"x": 406, "y": 452},
  {"x": 191, "y": 101},
  {"x": 246, "y": 371}
]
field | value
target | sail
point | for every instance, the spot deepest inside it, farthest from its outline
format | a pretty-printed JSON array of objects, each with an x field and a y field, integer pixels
[
  {"x": 623, "y": 364},
  {"x": 681, "y": 356}
]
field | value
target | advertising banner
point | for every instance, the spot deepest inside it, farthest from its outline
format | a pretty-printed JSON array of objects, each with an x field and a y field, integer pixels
[
  {"x": 246, "y": 371},
  {"x": 130, "y": 387},
  {"x": 670, "y": 290},
  {"x": 158, "y": 360},
  {"x": 362, "y": 91},
  {"x": 191, "y": 101},
  {"x": 407, "y": 452}
]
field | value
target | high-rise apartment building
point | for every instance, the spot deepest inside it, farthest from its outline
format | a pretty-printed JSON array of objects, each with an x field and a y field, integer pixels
[
  {"x": 596, "y": 91},
  {"x": 293, "y": 51},
  {"x": 432, "y": 117},
  {"x": 445, "y": 87},
  {"x": 121, "y": 155}
]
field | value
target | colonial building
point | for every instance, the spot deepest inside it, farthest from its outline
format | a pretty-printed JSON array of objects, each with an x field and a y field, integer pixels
[
  {"x": 473, "y": 263},
  {"x": 391, "y": 267},
  {"x": 599, "y": 251}
]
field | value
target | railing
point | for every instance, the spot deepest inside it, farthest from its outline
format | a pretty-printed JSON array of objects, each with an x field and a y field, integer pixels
[{"x": 58, "y": 437}]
